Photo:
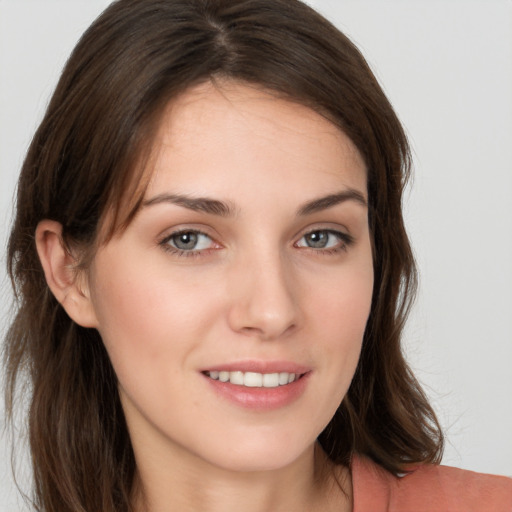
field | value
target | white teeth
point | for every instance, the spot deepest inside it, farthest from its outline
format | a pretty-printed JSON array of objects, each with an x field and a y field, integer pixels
[
  {"x": 253, "y": 379},
  {"x": 270, "y": 380},
  {"x": 283, "y": 378},
  {"x": 236, "y": 378}
]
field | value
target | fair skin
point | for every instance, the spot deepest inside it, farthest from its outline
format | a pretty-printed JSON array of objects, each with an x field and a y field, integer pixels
[{"x": 258, "y": 276}]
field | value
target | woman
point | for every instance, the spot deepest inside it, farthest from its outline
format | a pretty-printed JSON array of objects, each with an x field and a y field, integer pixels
[{"x": 212, "y": 274}]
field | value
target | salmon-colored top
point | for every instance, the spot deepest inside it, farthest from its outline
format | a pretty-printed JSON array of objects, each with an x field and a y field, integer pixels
[{"x": 428, "y": 488}]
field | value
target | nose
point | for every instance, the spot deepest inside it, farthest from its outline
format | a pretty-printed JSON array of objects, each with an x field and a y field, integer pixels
[{"x": 263, "y": 302}]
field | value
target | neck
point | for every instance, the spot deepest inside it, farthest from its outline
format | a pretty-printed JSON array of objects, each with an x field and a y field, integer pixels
[{"x": 311, "y": 483}]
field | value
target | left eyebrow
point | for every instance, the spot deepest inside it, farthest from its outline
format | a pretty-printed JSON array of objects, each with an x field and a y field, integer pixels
[
  {"x": 198, "y": 204},
  {"x": 323, "y": 203}
]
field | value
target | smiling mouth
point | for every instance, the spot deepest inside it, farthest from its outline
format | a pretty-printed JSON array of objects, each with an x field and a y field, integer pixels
[{"x": 253, "y": 379}]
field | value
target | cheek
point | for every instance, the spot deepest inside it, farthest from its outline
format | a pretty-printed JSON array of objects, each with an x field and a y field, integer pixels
[
  {"x": 336, "y": 320},
  {"x": 341, "y": 302},
  {"x": 338, "y": 313},
  {"x": 344, "y": 323},
  {"x": 140, "y": 310}
]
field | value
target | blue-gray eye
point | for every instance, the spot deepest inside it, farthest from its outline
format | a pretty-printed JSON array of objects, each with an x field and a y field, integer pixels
[
  {"x": 321, "y": 239},
  {"x": 190, "y": 241}
]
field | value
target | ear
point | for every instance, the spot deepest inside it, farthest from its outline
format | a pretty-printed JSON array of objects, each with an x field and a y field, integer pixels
[{"x": 61, "y": 275}]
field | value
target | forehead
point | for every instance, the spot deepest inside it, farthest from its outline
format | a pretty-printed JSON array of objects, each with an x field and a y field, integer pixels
[{"x": 229, "y": 137}]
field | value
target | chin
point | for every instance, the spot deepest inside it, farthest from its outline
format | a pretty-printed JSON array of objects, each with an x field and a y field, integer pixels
[{"x": 261, "y": 454}]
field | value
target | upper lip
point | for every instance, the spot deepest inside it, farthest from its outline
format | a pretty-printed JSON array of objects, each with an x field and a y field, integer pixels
[{"x": 258, "y": 366}]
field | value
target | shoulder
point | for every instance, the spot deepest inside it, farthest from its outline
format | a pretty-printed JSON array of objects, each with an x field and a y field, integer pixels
[{"x": 428, "y": 488}]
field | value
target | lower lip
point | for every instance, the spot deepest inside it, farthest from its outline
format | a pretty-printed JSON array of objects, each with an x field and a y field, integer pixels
[{"x": 262, "y": 399}]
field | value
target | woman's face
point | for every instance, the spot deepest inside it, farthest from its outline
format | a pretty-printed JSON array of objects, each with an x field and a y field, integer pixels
[{"x": 250, "y": 260}]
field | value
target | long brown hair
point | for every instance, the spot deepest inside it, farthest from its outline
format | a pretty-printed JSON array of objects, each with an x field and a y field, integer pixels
[{"x": 86, "y": 159}]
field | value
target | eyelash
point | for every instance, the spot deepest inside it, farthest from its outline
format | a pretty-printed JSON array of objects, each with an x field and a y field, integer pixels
[
  {"x": 345, "y": 239},
  {"x": 193, "y": 253}
]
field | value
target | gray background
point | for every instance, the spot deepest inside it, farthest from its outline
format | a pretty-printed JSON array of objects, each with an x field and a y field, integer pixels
[{"x": 447, "y": 68}]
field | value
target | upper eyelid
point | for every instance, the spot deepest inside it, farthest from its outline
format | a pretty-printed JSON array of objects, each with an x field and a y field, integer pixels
[
  {"x": 164, "y": 243},
  {"x": 178, "y": 232},
  {"x": 343, "y": 233},
  {"x": 327, "y": 230},
  {"x": 170, "y": 232},
  {"x": 336, "y": 224},
  {"x": 338, "y": 230},
  {"x": 346, "y": 238}
]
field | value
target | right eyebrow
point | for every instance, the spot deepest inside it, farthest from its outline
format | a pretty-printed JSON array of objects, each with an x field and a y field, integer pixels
[
  {"x": 323, "y": 203},
  {"x": 198, "y": 204}
]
